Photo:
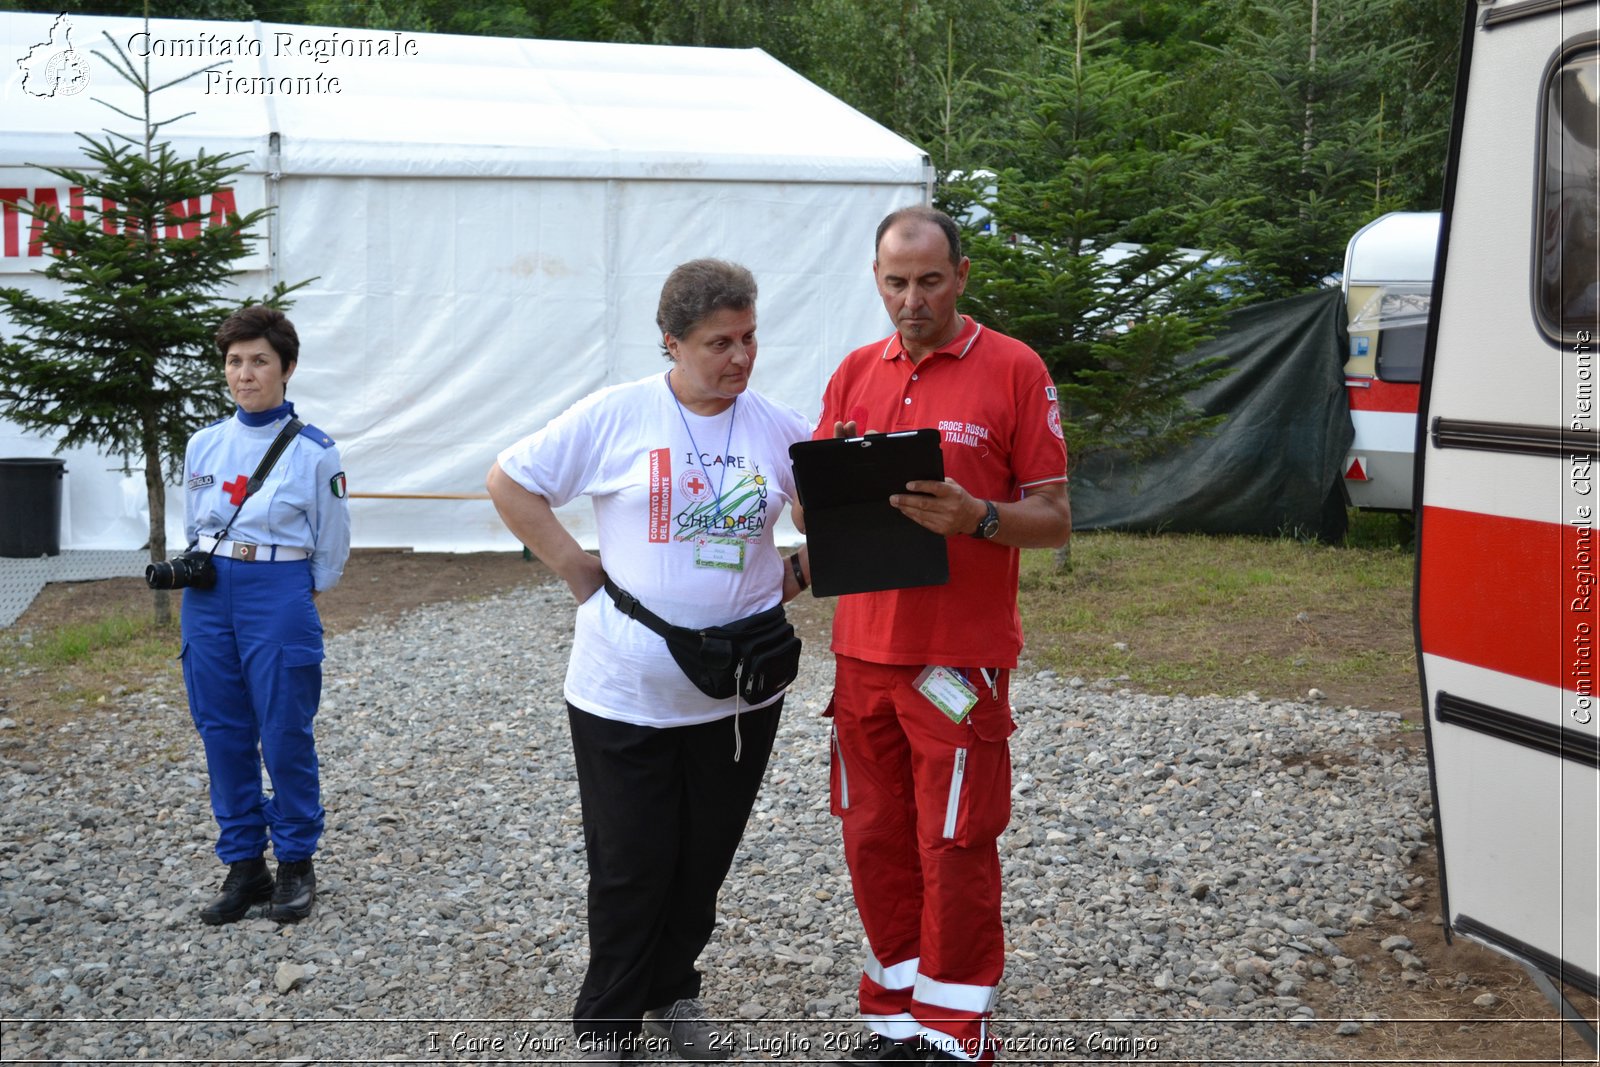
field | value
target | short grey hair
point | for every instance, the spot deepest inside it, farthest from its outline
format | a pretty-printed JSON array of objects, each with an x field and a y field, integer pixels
[{"x": 696, "y": 289}]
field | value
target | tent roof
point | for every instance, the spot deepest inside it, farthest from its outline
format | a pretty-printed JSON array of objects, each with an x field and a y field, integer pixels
[{"x": 449, "y": 106}]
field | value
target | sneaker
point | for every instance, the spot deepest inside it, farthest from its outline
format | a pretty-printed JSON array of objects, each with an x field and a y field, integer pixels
[
  {"x": 294, "y": 891},
  {"x": 248, "y": 883},
  {"x": 876, "y": 1047},
  {"x": 689, "y": 1033}
]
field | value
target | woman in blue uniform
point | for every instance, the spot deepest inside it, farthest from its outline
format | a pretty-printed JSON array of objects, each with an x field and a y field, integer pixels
[{"x": 252, "y": 643}]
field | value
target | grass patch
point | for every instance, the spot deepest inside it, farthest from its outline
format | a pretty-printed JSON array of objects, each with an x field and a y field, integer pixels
[
  {"x": 87, "y": 661},
  {"x": 115, "y": 641},
  {"x": 1199, "y": 614},
  {"x": 117, "y": 635}
]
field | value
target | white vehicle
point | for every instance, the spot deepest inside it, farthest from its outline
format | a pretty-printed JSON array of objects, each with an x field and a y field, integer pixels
[
  {"x": 1388, "y": 280},
  {"x": 1508, "y": 610}
]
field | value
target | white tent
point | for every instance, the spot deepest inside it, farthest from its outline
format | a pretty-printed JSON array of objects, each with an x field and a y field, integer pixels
[{"x": 488, "y": 221}]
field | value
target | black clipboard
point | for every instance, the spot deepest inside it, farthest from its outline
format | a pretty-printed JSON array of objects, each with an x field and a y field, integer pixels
[{"x": 858, "y": 542}]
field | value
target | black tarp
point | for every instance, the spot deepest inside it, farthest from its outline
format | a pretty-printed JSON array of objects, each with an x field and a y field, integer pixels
[{"x": 1275, "y": 466}]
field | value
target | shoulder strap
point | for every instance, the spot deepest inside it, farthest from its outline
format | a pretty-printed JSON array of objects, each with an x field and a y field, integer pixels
[{"x": 279, "y": 443}]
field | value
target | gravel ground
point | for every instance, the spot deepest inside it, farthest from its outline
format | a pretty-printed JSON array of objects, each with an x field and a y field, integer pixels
[{"x": 1178, "y": 871}]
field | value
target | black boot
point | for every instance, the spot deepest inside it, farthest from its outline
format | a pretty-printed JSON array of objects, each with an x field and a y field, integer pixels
[
  {"x": 248, "y": 882},
  {"x": 294, "y": 892}
]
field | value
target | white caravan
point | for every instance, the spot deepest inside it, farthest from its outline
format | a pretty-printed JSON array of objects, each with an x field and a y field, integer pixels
[
  {"x": 1508, "y": 610},
  {"x": 1388, "y": 280}
]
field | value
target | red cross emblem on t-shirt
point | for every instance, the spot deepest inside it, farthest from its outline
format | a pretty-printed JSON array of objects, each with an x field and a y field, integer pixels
[
  {"x": 696, "y": 486},
  {"x": 236, "y": 490}
]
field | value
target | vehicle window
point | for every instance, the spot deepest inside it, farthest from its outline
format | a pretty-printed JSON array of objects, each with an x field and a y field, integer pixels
[
  {"x": 1567, "y": 271},
  {"x": 1400, "y": 352}
]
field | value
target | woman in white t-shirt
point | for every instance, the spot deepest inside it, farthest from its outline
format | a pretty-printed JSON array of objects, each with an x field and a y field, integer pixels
[{"x": 688, "y": 471}]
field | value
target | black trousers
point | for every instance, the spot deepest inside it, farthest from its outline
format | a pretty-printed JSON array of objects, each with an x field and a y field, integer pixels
[{"x": 663, "y": 812}]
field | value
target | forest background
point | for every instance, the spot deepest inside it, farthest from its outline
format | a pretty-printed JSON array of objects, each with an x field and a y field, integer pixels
[{"x": 1130, "y": 170}]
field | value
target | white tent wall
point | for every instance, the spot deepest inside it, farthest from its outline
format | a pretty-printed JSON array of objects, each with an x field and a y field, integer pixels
[{"x": 488, "y": 223}]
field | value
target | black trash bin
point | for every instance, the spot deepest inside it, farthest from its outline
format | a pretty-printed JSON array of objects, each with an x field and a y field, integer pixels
[{"x": 30, "y": 507}]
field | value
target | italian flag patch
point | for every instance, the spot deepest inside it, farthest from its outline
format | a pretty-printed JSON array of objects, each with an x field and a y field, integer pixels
[{"x": 337, "y": 484}]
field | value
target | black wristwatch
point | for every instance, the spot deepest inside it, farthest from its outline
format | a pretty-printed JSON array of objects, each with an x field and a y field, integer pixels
[{"x": 989, "y": 525}]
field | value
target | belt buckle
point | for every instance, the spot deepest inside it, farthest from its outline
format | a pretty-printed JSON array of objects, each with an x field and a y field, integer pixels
[{"x": 244, "y": 550}]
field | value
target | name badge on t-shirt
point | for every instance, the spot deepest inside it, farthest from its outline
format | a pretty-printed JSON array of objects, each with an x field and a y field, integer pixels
[
  {"x": 723, "y": 553},
  {"x": 947, "y": 691}
]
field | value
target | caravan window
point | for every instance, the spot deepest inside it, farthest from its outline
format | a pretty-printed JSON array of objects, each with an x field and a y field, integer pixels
[
  {"x": 1567, "y": 279},
  {"x": 1398, "y": 315}
]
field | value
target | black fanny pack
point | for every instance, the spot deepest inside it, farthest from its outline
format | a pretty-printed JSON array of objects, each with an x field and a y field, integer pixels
[{"x": 757, "y": 656}]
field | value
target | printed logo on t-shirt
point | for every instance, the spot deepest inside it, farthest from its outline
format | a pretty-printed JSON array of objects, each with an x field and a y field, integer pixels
[
  {"x": 740, "y": 511},
  {"x": 694, "y": 484},
  {"x": 956, "y": 432},
  {"x": 660, "y": 495}
]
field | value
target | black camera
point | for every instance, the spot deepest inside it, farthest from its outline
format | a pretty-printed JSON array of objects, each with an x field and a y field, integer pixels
[{"x": 183, "y": 571}]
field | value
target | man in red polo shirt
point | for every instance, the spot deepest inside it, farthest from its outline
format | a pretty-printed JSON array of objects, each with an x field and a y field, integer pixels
[{"x": 921, "y": 774}]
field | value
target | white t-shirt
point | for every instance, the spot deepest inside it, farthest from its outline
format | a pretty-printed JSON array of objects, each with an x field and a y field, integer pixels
[{"x": 672, "y": 492}]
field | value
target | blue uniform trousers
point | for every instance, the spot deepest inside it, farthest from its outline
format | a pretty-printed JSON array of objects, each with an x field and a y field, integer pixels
[{"x": 252, "y": 663}]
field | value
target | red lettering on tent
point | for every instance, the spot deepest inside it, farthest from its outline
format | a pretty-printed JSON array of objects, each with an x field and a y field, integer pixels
[
  {"x": 46, "y": 203},
  {"x": 10, "y": 216},
  {"x": 223, "y": 205},
  {"x": 184, "y": 217}
]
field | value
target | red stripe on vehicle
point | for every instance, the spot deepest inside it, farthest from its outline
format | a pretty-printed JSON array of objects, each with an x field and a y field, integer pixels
[
  {"x": 1510, "y": 595},
  {"x": 1377, "y": 395}
]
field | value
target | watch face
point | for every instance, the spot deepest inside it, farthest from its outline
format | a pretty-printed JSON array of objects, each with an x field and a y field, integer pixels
[{"x": 991, "y": 522}]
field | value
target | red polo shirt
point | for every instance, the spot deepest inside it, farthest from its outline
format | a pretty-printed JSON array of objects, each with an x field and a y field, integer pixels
[{"x": 994, "y": 405}]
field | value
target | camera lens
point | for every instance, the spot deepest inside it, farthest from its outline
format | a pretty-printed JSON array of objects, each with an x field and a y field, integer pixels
[
  {"x": 158, "y": 576},
  {"x": 189, "y": 569}
]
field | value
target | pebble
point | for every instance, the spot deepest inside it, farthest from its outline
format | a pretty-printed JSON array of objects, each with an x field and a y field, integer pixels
[{"x": 1169, "y": 858}]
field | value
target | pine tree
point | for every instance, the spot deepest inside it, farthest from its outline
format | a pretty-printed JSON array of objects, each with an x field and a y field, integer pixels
[
  {"x": 1083, "y": 260},
  {"x": 122, "y": 359},
  {"x": 1085, "y": 265},
  {"x": 1323, "y": 134}
]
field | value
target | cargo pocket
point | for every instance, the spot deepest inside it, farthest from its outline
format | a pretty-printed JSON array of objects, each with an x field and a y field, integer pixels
[
  {"x": 300, "y": 671},
  {"x": 302, "y": 656},
  {"x": 977, "y": 803}
]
